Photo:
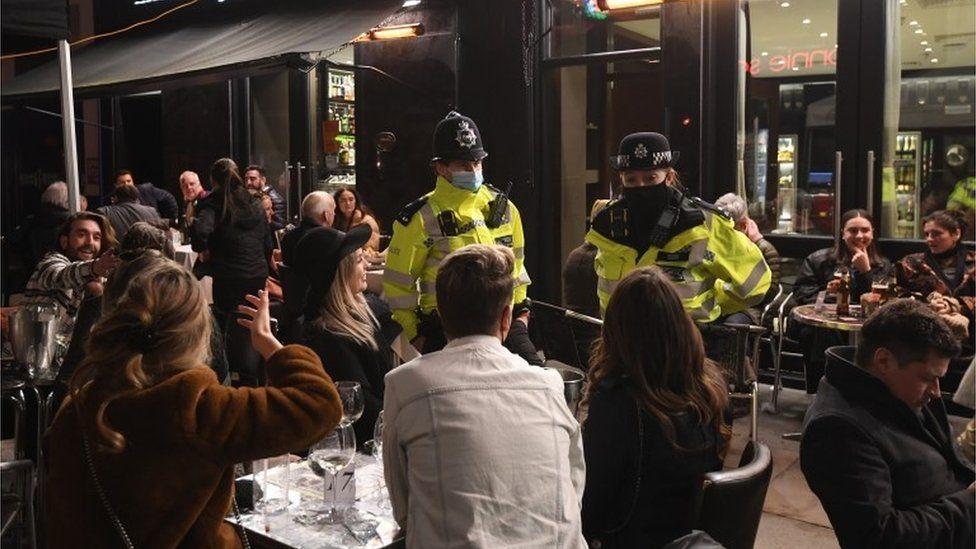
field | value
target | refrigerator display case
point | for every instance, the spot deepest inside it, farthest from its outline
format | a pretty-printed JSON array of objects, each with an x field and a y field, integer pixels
[
  {"x": 339, "y": 131},
  {"x": 907, "y": 166},
  {"x": 786, "y": 162}
]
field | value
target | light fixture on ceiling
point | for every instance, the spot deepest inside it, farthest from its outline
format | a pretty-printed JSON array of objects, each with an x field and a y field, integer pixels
[
  {"x": 913, "y": 23},
  {"x": 903, "y": 2},
  {"x": 928, "y": 50},
  {"x": 765, "y": 54},
  {"x": 919, "y": 31},
  {"x": 823, "y": 35},
  {"x": 796, "y": 68},
  {"x": 408, "y": 30},
  {"x": 411, "y": 3},
  {"x": 784, "y": 4},
  {"x": 924, "y": 43},
  {"x": 934, "y": 60},
  {"x": 608, "y": 5},
  {"x": 806, "y": 21}
]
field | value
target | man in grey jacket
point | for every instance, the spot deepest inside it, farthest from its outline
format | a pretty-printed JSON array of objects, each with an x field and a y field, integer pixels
[
  {"x": 479, "y": 447},
  {"x": 125, "y": 210}
]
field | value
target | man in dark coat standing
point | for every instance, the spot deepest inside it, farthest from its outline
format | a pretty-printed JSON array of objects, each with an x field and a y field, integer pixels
[
  {"x": 150, "y": 195},
  {"x": 877, "y": 448}
]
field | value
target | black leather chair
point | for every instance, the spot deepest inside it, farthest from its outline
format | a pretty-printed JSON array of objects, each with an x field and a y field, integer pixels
[{"x": 731, "y": 501}]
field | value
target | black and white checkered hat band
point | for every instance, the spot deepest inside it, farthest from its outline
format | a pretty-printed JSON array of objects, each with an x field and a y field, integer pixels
[{"x": 656, "y": 159}]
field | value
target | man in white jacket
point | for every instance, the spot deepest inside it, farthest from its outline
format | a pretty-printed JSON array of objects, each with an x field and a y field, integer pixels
[{"x": 479, "y": 447}]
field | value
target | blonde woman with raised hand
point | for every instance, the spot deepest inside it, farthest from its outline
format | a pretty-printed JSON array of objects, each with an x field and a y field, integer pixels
[{"x": 144, "y": 448}]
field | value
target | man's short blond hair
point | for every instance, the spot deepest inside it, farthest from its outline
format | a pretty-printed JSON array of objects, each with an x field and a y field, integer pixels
[{"x": 474, "y": 286}]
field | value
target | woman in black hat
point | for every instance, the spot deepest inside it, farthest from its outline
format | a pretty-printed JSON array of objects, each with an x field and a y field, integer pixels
[
  {"x": 717, "y": 269},
  {"x": 351, "y": 330}
]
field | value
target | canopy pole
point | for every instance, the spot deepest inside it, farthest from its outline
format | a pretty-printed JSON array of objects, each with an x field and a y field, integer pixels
[{"x": 68, "y": 127}]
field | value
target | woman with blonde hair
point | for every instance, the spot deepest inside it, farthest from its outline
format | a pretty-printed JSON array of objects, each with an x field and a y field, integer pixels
[
  {"x": 655, "y": 417},
  {"x": 142, "y": 452},
  {"x": 350, "y": 329}
]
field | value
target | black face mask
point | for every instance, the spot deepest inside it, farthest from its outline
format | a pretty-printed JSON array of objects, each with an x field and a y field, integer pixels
[{"x": 647, "y": 203}]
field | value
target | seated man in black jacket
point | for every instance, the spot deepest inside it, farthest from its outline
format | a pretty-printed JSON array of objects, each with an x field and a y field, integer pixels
[
  {"x": 151, "y": 195},
  {"x": 877, "y": 448}
]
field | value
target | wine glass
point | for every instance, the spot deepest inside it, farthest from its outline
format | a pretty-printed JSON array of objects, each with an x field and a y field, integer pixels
[
  {"x": 327, "y": 457},
  {"x": 333, "y": 453},
  {"x": 351, "y": 395}
]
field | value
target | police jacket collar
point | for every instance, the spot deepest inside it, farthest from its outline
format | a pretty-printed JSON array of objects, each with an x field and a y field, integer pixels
[{"x": 448, "y": 191}]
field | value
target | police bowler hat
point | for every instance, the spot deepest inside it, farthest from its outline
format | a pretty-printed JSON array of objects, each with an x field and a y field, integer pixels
[
  {"x": 457, "y": 138},
  {"x": 644, "y": 151}
]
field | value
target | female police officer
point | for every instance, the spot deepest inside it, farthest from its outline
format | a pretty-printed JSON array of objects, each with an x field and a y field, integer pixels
[{"x": 718, "y": 271}]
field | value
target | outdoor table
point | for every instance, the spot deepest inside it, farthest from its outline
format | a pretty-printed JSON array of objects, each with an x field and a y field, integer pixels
[
  {"x": 186, "y": 256},
  {"x": 828, "y": 319},
  {"x": 282, "y": 531}
]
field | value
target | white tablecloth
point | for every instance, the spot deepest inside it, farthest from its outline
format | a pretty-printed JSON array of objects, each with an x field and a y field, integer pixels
[{"x": 186, "y": 256}]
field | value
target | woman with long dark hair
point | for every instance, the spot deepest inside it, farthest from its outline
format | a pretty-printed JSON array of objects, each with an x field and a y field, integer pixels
[
  {"x": 351, "y": 212},
  {"x": 654, "y": 419},
  {"x": 946, "y": 267},
  {"x": 855, "y": 252},
  {"x": 231, "y": 232}
]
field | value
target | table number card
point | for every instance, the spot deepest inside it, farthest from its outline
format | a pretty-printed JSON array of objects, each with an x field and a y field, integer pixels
[{"x": 344, "y": 486}]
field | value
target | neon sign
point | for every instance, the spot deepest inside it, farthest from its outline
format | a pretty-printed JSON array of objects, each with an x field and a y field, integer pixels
[{"x": 792, "y": 60}]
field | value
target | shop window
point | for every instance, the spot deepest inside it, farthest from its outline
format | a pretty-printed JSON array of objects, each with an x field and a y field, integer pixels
[
  {"x": 927, "y": 159},
  {"x": 788, "y": 61}
]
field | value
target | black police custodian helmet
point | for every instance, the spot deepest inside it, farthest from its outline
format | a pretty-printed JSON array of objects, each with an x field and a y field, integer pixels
[
  {"x": 457, "y": 138},
  {"x": 644, "y": 151}
]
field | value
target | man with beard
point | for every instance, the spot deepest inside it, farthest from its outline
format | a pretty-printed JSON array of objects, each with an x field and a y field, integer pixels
[
  {"x": 61, "y": 279},
  {"x": 256, "y": 181}
]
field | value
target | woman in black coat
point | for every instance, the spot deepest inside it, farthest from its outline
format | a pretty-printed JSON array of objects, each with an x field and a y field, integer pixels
[
  {"x": 855, "y": 252},
  {"x": 350, "y": 330},
  {"x": 654, "y": 421},
  {"x": 230, "y": 231}
]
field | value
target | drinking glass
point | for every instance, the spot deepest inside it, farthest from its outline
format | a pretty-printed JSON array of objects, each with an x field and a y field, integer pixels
[
  {"x": 378, "y": 437},
  {"x": 351, "y": 395},
  {"x": 332, "y": 454},
  {"x": 272, "y": 479}
]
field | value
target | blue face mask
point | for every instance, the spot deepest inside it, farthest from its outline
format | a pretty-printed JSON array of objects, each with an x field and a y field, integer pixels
[{"x": 470, "y": 181}]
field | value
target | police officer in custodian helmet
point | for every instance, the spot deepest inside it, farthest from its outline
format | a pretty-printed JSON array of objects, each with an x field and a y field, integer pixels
[
  {"x": 462, "y": 209},
  {"x": 718, "y": 271}
]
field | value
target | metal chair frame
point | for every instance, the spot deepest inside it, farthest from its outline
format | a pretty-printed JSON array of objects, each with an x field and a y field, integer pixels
[{"x": 26, "y": 493}]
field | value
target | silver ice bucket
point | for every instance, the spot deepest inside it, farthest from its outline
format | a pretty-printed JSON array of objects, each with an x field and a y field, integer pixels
[
  {"x": 33, "y": 335},
  {"x": 573, "y": 381}
]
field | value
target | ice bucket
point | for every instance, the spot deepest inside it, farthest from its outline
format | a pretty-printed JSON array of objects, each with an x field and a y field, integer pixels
[
  {"x": 33, "y": 335},
  {"x": 572, "y": 387}
]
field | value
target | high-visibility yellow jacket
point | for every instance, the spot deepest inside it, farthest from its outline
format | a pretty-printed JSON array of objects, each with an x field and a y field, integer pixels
[
  {"x": 717, "y": 269},
  {"x": 419, "y": 244}
]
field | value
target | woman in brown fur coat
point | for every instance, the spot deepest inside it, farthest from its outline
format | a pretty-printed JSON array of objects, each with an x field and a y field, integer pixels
[{"x": 161, "y": 433}]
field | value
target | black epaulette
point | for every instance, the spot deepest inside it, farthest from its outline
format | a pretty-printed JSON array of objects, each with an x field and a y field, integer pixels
[
  {"x": 698, "y": 202},
  {"x": 613, "y": 221},
  {"x": 406, "y": 214}
]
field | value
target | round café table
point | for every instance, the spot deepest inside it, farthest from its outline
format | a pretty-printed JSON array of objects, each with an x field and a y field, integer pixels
[{"x": 828, "y": 319}]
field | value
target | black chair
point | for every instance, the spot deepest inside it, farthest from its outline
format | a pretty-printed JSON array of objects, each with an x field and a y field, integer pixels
[
  {"x": 735, "y": 347},
  {"x": 731, "y": 502},
  {"x": 17, "y": 501},
  {"x": 563, "y": 334}
]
